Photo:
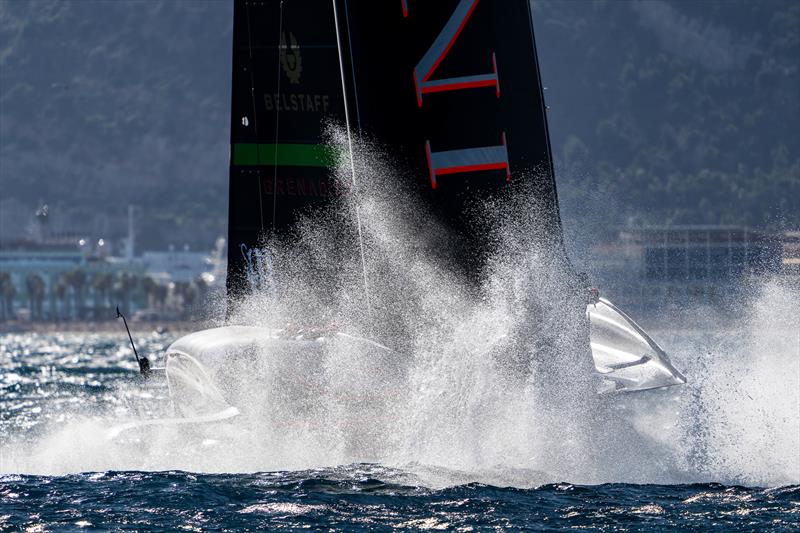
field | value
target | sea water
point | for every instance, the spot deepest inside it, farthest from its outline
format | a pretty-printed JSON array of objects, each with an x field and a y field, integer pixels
[
  {"x": 487, "y": 418},
  {"x": 734, "y": 469}
]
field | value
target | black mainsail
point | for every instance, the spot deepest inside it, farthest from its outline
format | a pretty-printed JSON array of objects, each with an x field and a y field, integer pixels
[{"x": 452, "y": 87}]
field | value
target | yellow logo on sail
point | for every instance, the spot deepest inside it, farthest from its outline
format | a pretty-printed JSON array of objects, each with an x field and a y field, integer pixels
[{"x": 291, "y": 61}]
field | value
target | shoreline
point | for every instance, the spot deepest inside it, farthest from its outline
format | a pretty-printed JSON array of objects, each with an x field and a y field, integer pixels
[
  {"x": 187, "y": 326},
  {"x": 105, "y": 326}
]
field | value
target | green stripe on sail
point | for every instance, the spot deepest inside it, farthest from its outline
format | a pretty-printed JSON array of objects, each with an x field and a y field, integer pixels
[{"x": 290, "y": 155}]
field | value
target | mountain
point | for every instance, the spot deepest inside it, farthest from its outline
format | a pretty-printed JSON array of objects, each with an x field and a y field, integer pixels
[
  {"x": 677, "y": 112},
  {"x": 105, "y": 104}
]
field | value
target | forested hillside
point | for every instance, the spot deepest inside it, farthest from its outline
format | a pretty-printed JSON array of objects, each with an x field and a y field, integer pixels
[
  {"x": 111, "y": 103},
  {"x": 660, "y": 112},
  {"x": 675, "y": 112}
]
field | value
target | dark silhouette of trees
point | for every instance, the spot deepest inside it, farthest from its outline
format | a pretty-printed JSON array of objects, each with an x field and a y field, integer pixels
[
  {"x": 35, "y": 288},
  {"x": 60, "y": 291},
  {"x": 674, "y": 112},
  {"x": 160, "y": 294},
  {"x": 149, "y": 287},
  {"x": 123, "y": 289},
  {"x": 187, "y": 294},
  {"x": 102, "y": 282},
  {"x": 7, "y": 294},
  {"x": 77, "y": 295},
  {"x": 76, "y": 279}
]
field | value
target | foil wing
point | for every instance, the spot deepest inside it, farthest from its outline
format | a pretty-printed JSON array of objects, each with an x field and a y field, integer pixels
[{"x": 624, "y": 355}]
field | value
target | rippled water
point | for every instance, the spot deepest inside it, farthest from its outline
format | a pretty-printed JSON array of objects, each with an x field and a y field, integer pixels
[
  {"x": 59, "y": 395},
  {"x": 369, "y": 497}
]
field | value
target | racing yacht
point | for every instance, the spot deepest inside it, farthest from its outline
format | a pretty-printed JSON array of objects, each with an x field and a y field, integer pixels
[{"x": 453, "y": 88}]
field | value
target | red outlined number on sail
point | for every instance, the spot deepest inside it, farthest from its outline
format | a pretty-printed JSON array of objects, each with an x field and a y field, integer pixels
[
  {"x": 439, "y": 50},
  {"x": 467, "y": 160}
]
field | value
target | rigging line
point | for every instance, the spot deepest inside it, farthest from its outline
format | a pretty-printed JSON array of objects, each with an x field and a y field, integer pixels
[
  {"x": 353, "y": 66},
  {"x": 255, "y": 119},
  {"x": 277, "y": 122},
  {"x": 352, "y": 159}
]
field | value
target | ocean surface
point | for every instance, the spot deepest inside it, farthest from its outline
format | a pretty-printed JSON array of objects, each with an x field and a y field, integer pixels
[
  {"x": 61, "y": 468},
  {"x": 368, "y": 497}
]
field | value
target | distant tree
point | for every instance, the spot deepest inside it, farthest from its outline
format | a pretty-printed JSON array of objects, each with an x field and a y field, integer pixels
[
  {"x": 5, "y": 279},
  {"x": 187, "y": 295},
  {"x": 60, "y": 290},
  {"x": 29, "y": 292},
  {"x": 202, "y": 287},
  {"x": 123, "y": 289},
  {"x": 189, "y": 298},
  {"x": 161, "y": 293},
  {"x": 52, "y": 312},
  {"x": 149, "y": 287},
  {"x": 134, "y": 282},
  {"x": 77, "y": 280},
  {"x": 101, "y": 285},
  {"x": 35, "y": 287},
  {"x": 179, "y": 290},
  {"x": 105, "y": 284},
  {"x": 8, "y": 292}
]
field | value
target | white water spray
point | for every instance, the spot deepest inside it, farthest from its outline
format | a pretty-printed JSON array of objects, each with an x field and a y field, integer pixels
[{"x": 488, "y": 383}]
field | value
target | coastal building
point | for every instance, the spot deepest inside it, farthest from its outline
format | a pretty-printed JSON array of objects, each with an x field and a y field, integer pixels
[
  {"x": 52, "y": 280},
  {"x": 653, "y": 270},
  {"x": 51, "y": 271}
]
